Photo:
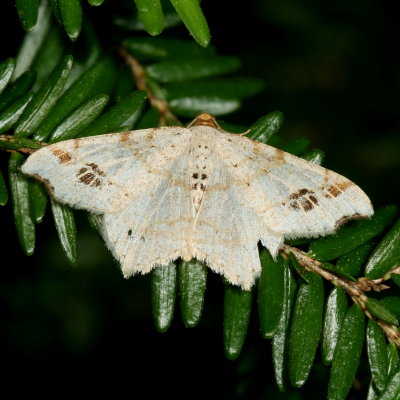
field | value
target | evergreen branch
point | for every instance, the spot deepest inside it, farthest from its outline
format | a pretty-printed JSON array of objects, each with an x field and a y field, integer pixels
[
  {"x": 141, "y": 81},
  {"x": 22, "y": 145},
  {"x": 354, "y": 289}
]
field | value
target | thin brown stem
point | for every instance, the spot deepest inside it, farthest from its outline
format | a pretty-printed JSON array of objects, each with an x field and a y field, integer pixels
[
  {"x": 354, "y": 289},
  {"x": 12, "y": 143},
  {"x": 139, "y": 75}
]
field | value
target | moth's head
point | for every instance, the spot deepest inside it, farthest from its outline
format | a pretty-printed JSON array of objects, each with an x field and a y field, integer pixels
[{"x": 205, "y": 119}]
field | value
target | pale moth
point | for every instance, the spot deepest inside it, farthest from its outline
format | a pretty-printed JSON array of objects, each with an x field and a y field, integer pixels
[{"x": 196, "y": 192}]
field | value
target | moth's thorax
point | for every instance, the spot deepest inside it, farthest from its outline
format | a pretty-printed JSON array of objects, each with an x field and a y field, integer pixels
[{"x": 200, "y": 156}]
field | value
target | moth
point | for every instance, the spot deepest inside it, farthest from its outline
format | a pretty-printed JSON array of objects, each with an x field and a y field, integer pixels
[{"x": 196, "y": 192}]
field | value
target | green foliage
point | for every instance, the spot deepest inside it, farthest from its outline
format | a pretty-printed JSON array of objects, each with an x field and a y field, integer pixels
[
  {"x": 69, "y": 13},
  {"x": 347, "y": 353},
  {"x": 305, "y": 328},
  {"x": 163, "y": 294},
  {"x": 377, "y": 354},
  {"x": 270, "y": 294},
  {"x": 237, "y": 309},
  {"x": 335, "y": 311},
  {"x": 352, "y": 235},
  {"x": 53, "y": 91},
  {"x": 21, "y": 206},
  {"x": 192, "y": 278}
]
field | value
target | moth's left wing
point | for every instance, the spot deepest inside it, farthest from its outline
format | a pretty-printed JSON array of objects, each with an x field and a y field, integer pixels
[
  {"x": 103, "y": 173},
  {"x": 292, "y": 196}
]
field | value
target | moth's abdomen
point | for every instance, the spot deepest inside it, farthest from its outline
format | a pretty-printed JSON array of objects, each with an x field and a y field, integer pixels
[{"x": 199, "y": 170}]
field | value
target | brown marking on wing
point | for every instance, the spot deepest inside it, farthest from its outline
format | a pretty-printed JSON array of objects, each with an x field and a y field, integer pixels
[
  {"x": 125, "y": 136},
  {"x": 313, "y": 199},
  {"x": 62, "y": 155},
  {"x": 306, "y": 204},
  {"x": 150, "y": 135},
  {"x": 81, "y": 171},
  {"x": 300, "y": 193},
  {"x": 96, "y": 168},
  {"x": 304, "y": 198},
  {"x": 87, "y": 178},
  {"x": 327, "y": 175},
  {"x": 280, "y": 155},
  {"x": 97, "y": 182},
  {"x": 294, "y": 205},
  {"x": 93, "y": 178},
  {"x": 335, "y": 189},
  {"x": 77, "y": 144}
]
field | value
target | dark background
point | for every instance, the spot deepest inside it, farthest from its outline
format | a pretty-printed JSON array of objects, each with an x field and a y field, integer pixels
[{"x": 333, "y": 69}]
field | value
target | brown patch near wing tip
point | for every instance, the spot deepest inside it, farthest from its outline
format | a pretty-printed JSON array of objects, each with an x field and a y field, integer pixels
[
  {"x": 62, "y": 155},
  {"x": 280, "y": 155},
  {"x": 341, "y": 221},
  {"x": 76, "y": 144},
  {"x": 337, "y": 188}
]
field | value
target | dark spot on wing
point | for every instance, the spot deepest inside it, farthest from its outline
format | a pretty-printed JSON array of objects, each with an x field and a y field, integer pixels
[
  {"x": 203, "y": 176},
  {"x": 306, "y": 204},
  {"x": 87, "y": 178},
  {"x": 62, "y": 155},
  {"x": 304, "y": 199},
  {"x": 195, "y": 175},
  {"x": 313, "y": 199},
  {"x": 96, "y": 168},
  {"x": 130, "y": 232},
  {"x": 94, "y": 178},
  {"x": 300, "y": 193}
]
